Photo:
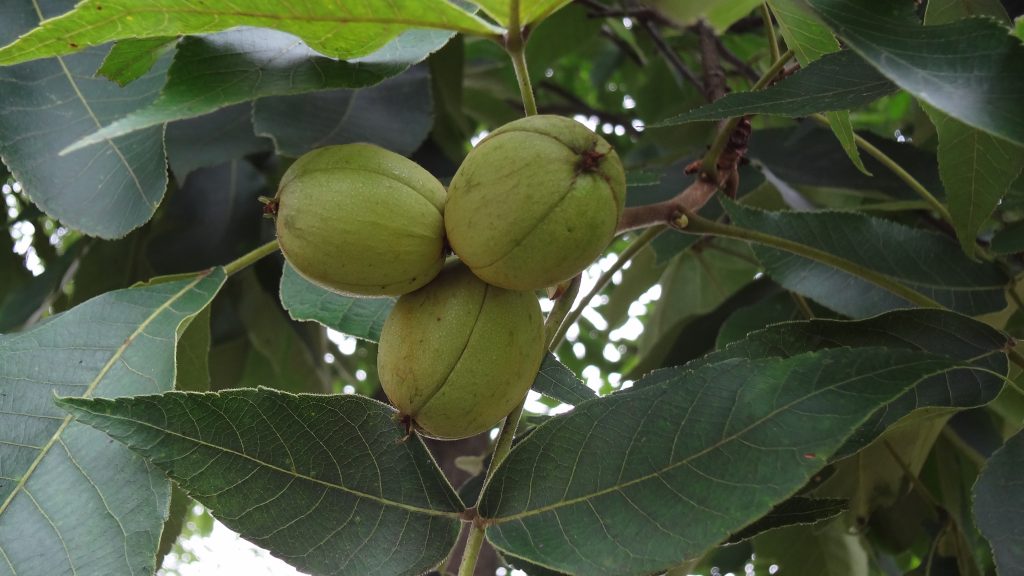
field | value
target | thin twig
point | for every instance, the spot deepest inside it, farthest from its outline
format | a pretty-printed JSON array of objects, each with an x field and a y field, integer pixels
[
  {"x": 729, "y": 56},
  {"x": 675, "y": 63},
  {"x": 714, "y": 76}
]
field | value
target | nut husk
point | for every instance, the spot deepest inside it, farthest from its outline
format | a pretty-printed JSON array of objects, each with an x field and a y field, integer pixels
[{"x": 359, "y": 219}]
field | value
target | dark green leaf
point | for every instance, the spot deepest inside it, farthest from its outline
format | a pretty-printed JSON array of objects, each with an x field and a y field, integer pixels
[
  {"x": 694, "y": 284},
  {"x": 25, "y": 298},
  {"x": 340, "y": 491},
  {"x": 723, "y": 443},
  {"x": 1009, "y": 240},
  {"x": 130, "y": 58},
  {"x": 924, "y": 261},
  {"x": 837, "y": 81},
  {"x": 193, "y": 354},
  {"x": 212, "y": 72},
  {"x": 396, "y": 114},
  {"x": 556, "y": 381},
  {"x": 972, "y": 69},
  {"x": 809, "y": 155},
  {"x": 831, "y": 550},
  {"x": 212, "y": 139},
  {"x": 70, "y": 500},
  {"x": 810, "y": 39},
  {"x": 946, "y": 11},
  {"x": 49, "y": 104},
  {"x": 359, "y": 317},
  {"x": 282, "y": 360},
  {"x": 214, "y": 218},
  {"x": 977, "y": 170},
  {"x": 938, "y": 332},
  {"x": 356, "y": 30},
  {"x": 999, "y": 503},
  {"x": 777, "y": 308},
  {"x": 797, "y": 510}
]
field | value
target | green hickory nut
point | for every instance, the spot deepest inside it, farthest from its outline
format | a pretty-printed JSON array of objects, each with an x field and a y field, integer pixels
[
  {"x": 358, "y": 219},
  {"x": 535, "y": 202},
  {"x": 459, "y": 354}
]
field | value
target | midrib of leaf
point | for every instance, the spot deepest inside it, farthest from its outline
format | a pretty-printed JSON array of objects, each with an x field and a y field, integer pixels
[
  {"x": 686, "y": 461},
  {"x": 96, "y": 121},
  {"x": 92, "y": 387},
  {"x": 293, "y": 473}
]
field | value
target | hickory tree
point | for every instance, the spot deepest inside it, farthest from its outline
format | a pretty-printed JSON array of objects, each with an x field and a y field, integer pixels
[{"x": 604, "y": 287}]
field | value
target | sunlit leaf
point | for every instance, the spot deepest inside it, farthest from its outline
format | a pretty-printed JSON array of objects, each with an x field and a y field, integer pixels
[
  {"x": 348, "y": 31},
  {"x": 837, "y": 81},
  {"x": 359, "y": 317},
  {"x": 530, "y": 11},
  {"x": 972, "y": 69},
  {"x": 723, "y": 443},
  {"x": 340, "y": 491},
  {"x": 921, "y": 260},
  {"x": 211, "y": 72},
  {"x": 130, "y": 58},
  {"x": 70, "y": 500}
]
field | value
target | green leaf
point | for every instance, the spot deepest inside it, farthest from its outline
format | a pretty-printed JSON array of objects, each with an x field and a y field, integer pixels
[
  {"x": 340, "y": 491},
  {"x": 797, "y": 510},
  {"x": 212, "y": 139},
  {"x": 396, "y": 114},
  {"x": 49, "y": 104},
  {"x": 348, "y": 32},
  {"x": 130, "y": 58},
  {"x": 810, "y": 40},
  {"x": 25, "y": 298},
  {"x": 359, "y": 317},
  {"x": 213, "y": 218},
  {"x": 946, "y": 11},
  {"x": 70, "y": 500},
  {"x": 283, "y": 360},
  {"x": 972, "y": 69},
  {"x": 211, "y": 72},
  {"x": 809, "y": 156},
  {"x": 938, "y": 332},
  {"x": 556, "y": 381},
  {"x": 999, "y": 502},
  {"x": 1009, "y": 240},
  {"x": 804, "y": 32},
  {"x": 977, "y": 170},
  {"x": 828, "y": 551},
  {"x": 926, "y": 262},
  {"x": 774, "y": 309},
  {"x": 837, "y": 81},
  {"x": 719, "y": 14},
  {"x": 193, "y": 354},
  {"x": 723, "y": 443},
  {"x": 530, "y": 11}
]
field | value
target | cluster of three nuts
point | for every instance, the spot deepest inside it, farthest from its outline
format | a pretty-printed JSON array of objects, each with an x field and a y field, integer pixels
[{"x": 532, "y": 205}]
